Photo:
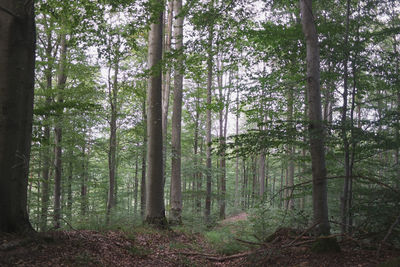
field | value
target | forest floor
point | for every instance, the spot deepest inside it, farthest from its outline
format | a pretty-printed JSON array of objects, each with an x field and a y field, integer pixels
[{"x": 147, "y": 247}]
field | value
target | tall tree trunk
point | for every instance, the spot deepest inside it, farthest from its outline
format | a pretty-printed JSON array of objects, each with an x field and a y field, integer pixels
[
  {"x": 167, "y": 84},
  {"x": 237, "y": 198},
  {"x": 344, "y": 198},
  {"x": 176, "y": 190},
  {"x": 84, "y": 201},
  {"x": 46, "y": 135},
  {"x": 316, "y": 131},
  {"x": 207, "y": 211},
  {"x": 69, "y": 187},
  {"x": 197, "y": 174},
  {"x": 155, "y": 211},
  {"x": 136, "y": 183},
  {"x": 144, "y": 165},
  {"x": 290, "y": 150},
  {"x": 112, "y": 150},
  {"x": 61, "y": 81}
]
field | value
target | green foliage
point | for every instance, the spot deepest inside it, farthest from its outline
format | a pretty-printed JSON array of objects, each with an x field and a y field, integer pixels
[
  {"x": 265, "y": 220},
  {"x": 224, "y": 242}
]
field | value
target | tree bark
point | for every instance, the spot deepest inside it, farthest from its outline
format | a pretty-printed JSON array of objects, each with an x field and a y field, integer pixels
[
  {"x": 316, "y": 131},
  {"x": 112, "y": 163},
  {"x": 17, "y": 65},
  {"x": 144, "y": 165},
  {"x": 290, "y": 150},
  {"x": 155, "y": 211},
  {"x": 176, "y": 190},
  {"x": 61, "y": 81},
  {"x": 167, "y": 84},
  {"x": 346, "y": 146},
  {"x": 207, "y": 211}
]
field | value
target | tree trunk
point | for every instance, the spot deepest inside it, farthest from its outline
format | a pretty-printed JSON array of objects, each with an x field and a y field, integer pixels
[
  {"x": 167, "y": 85},
  {"x": 46, "y": 135},
  {"x": 197, "y": 174},
  {"x": 316, "y": 132},
  {"x": 290, "y": 151},
  {"x": 176, "y": 190},
  {"x": 84, "y": 201},
  {"x": 155, "y": 211},
  {"x": 112, "y": 163},
  {"x": 69, "y": 187},
  {"x": 17, "y": 64},
  {"x": 61, "y": 81},
  {"x": 144, "y": 167},
  {"x": 207, "y": 211},
  {"x": 344, "y": 198},
  {"x": 237, "y": 198},
  {"x": 136, "y": 183}
]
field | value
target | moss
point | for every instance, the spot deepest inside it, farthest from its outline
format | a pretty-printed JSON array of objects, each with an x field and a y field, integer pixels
[
  {"x": 325, "y": 244},
  {"x": 395, "y": 262}
]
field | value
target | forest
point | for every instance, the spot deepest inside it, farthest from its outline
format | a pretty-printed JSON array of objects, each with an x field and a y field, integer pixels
[{"x": 199, "y": 133}]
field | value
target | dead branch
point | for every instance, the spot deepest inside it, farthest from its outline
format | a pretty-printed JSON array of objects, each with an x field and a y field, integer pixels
[
  {"x": 250, "y": 242},
  {"x": 302, "y": 234},
  {"x": 389, "y": 232}
]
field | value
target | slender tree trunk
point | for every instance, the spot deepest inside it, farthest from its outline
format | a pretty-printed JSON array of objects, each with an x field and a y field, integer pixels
[
  {"x": 176, "y": 190},
  {"x": 167, "y": 84},
  {"x": 84, "y": 201},
  {"x": 197, "y": 175},
  {"x": 237, "y": 198},
  {"x": 69, "y": 187},
  {"x": 155, "y": 211},
  {"x": 344, "y": 198},
  {"x": 112, "y": 163},
  {"x": 61, "y": 81},
  {"x": 144, "y": 167},
  {"x": 290, "y": 152},
  {"x": 207, "y": 211},
  {"x": 46, "y": 135},
  {"x": 136, "y": 183},
  {"x": 316, "y": 131}
]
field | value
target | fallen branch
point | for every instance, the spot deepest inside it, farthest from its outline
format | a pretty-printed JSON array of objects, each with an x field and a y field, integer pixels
[
  {"x": 231, "y": 257},
  {"x": 387, "y": 235},
  {"x": 302, "y": 234},
  {"x": 250, "y": 242},
  {"x": 216, "y": 257}
]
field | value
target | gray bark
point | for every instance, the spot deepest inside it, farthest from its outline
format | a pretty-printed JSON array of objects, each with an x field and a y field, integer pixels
[
  {"x": 61, "y": 81},
  {"x": 207, "y": 211},
  {"x": 316, "y": 131},
  {"x": 112, "y": 163},
  {"x": 176, "y": 190},
  {"x": 155, "y": 211}
]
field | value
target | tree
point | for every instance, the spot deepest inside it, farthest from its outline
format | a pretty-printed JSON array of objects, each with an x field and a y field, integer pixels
[
  {"x": 176, "y": 191},
  {"x": 155, "y": 211},
  {"x": 316, "y": 131},
  {"x": 17, "y": 65}
]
